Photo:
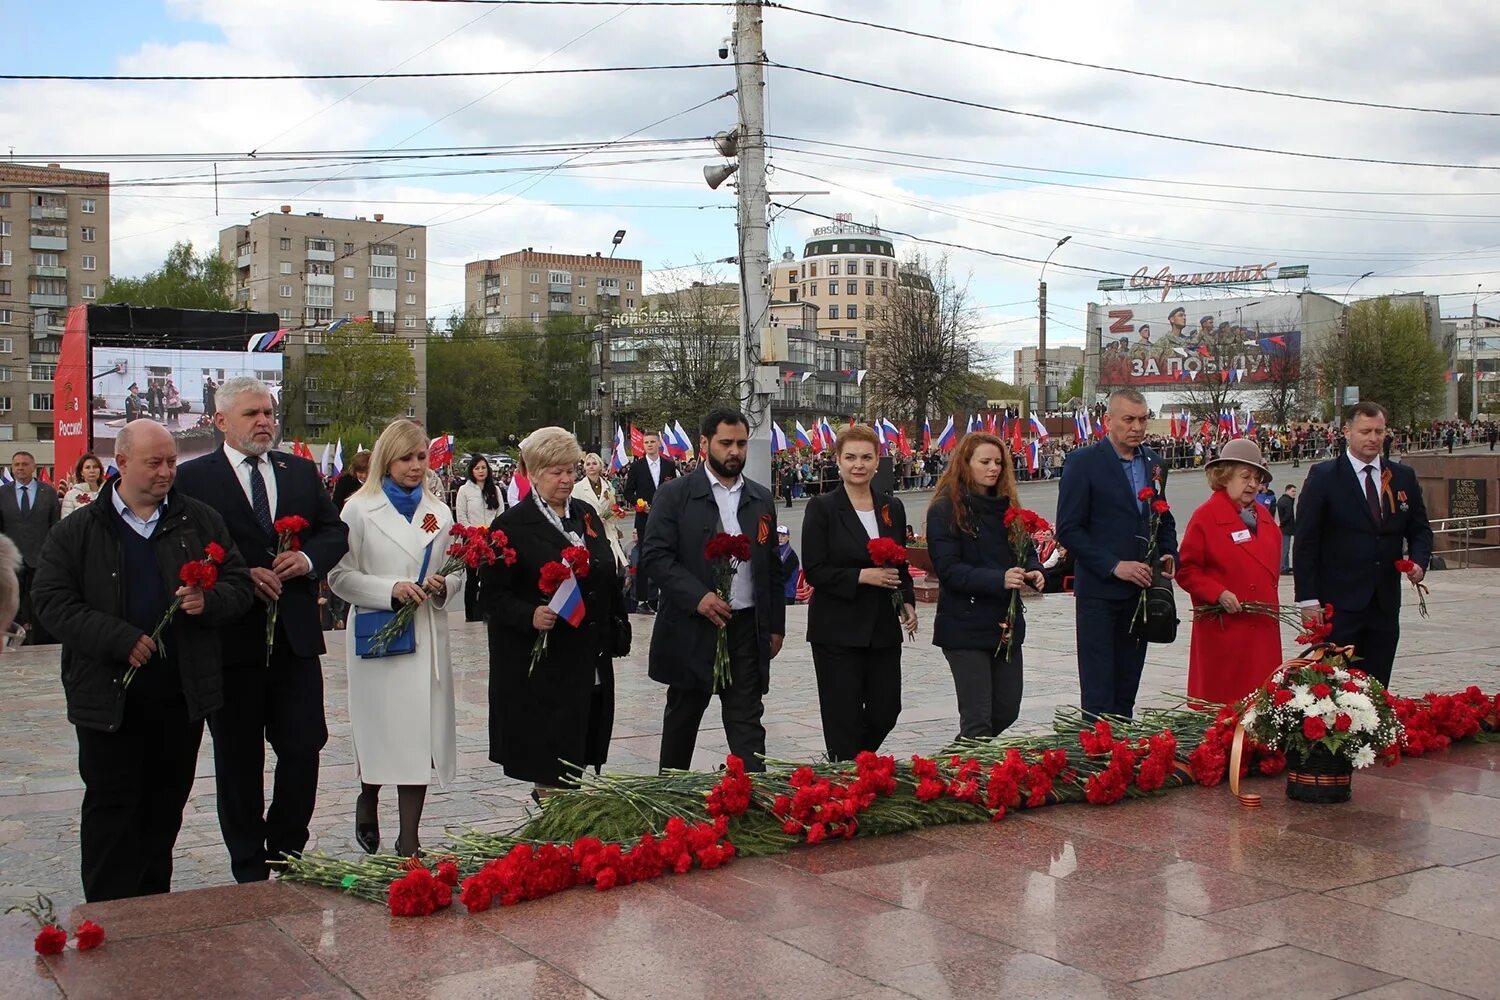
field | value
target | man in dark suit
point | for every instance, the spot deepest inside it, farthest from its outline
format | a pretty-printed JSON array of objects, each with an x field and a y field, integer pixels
[
  {"x": 688, "y": 511},
  {"x": 1104, "y": 523},
  {"x": 277, "y": 698},
  {"x": 642, "y": 479},
  {"x": 1286, "y": 519},
  {"x": 1354, "y": 515},
  {"x": 28, "y": 510}
]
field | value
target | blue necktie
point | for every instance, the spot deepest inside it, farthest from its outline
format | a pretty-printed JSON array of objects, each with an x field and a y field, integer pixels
[
  {"x": 259, "y": 499},
  {"x": 25, "y": 500}
]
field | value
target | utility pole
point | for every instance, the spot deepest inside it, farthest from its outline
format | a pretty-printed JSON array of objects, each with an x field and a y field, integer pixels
[
  {"x": 606, "y": 387},
  {"x": 754, "y": 236},
  {"x": 1474, "y": 361}
]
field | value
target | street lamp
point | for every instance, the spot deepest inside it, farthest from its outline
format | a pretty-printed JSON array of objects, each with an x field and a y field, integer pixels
[
  {"x": 1041, "y": 327},
  {"x": 606, "y": 391},
  {"x": 1344, "y": 332}
]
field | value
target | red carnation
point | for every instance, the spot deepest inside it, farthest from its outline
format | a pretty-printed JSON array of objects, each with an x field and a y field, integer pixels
[
  {"x": 214, "y": 552},
  {"x": 886, "y": 552},
  {"x": 1012, "y": 515},
  {"x": 89, "y": 935},
  {"x": 1282, "y": 696},
  {"x": 50, "y": 940},
  {"x": 577, "y": 557},
  {"x": 552, "y": 576},
  {"x": 1313, "y": 728},
  {"x": 1348, "y": 686},
  {"x": 1146, "y": 493},
  {"x": 1161, "y": 507},
  {"x": 1341, "y": 723},
  {"x": 1321, "y": 690},
  {"x": 1405, "y": 565}
]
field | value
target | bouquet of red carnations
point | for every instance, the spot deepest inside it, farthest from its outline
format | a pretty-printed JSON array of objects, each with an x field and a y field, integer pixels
[
  {"x": 887, "y": 552},
  {"x": 472, "y": 547},
  {"x": 287, "y": 531},
  {"x": 1023, "y": 525},
  {"x": 725, "y": 553},
  {"x": 1324, "y": 702},
  {"x": 202, "y": 573},
  {"x": 572, "y": 564},
  {"x": 1404, "y": 566}
]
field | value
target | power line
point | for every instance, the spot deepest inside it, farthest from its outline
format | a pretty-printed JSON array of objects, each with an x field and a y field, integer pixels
[
  {"x": 364, "y": 154},
  {"x": 1120, "y": 130},
  {"x": 263, "y": 77},
  {"x": 1188, "y": 81}
]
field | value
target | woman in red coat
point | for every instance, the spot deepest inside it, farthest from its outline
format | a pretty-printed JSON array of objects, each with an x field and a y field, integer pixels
[{"x": 1230, "y": 556}]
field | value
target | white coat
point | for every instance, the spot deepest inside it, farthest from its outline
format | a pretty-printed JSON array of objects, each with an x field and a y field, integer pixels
[
  {"x": 401, "y": 708},
  {"x": 601, "y": 502},
  {"x": 470, "y": 509}
]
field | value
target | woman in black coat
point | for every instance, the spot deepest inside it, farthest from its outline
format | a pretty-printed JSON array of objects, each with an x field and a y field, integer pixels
[
  {"x": 852, "y": 624},
  {"x": 972, "y": 553},
  {"x": 564, "y": 710}
]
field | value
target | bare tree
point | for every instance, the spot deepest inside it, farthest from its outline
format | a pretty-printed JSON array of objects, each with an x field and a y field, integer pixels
[
  {"x": 922, "y": 346},
  {"x": 686, "y": 352},
  {"x": 1215, "y": 385}
]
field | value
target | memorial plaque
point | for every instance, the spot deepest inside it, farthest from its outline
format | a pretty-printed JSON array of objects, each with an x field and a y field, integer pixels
[{"x": 1466, "y": 497}]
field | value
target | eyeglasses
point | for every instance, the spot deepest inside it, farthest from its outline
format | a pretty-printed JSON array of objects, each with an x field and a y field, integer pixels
[{"x": 14, "y": 637}]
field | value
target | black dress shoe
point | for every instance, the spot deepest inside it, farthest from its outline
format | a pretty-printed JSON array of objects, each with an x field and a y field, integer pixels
[
  {"x": 367, "y": 836},
  {"x": 404, "y": 853}
]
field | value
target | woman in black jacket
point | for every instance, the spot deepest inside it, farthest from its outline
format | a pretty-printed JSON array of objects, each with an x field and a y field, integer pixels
[
  {"x": 851, "y": 619},
  {"x": 972, "y": 553},
  {"x": 547, "y": 723}
]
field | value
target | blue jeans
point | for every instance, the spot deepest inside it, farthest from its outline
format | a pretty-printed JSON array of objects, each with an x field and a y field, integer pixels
[{"x": 1286, "y": 551}]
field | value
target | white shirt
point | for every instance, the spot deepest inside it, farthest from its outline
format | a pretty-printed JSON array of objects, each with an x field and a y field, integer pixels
[
  {"x": 867, "y": 518},
  {"x": 145, "y": 528},
  {"x": 242, "y": 473},
  {"x": 654, "y": 464},
  {"x": 742, "y": 589}
]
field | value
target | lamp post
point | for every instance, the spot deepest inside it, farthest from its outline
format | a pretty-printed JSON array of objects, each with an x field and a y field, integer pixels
[
  {"x": 606, "y": 322},
  {"x": 1041, "y": 328},
  {"x": 1344, "y": 332}
]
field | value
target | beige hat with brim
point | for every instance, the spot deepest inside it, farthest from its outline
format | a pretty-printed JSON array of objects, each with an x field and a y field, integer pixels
[{"x": 1244, "y": 451}]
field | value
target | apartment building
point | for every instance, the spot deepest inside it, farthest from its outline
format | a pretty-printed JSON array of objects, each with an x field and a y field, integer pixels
[
  {"x": 54, "y": 253},
  {"x": 528, "y": 286},
  {"x": 848, "y": 271},
  {"x": 311, "y": 270},
  {"x": 1061, "y": 362}
]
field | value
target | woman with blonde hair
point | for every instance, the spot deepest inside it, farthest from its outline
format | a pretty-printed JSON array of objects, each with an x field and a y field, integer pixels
[
  {"x": 971, "y": 550},
  {"x": 401, "y": 706},
  {"x": 88, "y": 483},
  {"x": 596, "y": 488},
  {"x": 547, "y": 722}
]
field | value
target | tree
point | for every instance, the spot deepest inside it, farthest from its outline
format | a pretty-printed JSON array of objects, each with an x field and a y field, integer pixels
[
  {"x": 1074, "y": 387},
  {"x": 1282, "y": 392},
  {"x": 294, "y": 398},
  {"x": 184, "y": 281},
  {"x": 922, "y": 346},
  {"x": 1385, "y": 349},
  {"x": 556, "y": 367},
  {"x": 363, "y": 375},
  {"x": 688, "y": 354},
  {"x": 476, "y": 380}
]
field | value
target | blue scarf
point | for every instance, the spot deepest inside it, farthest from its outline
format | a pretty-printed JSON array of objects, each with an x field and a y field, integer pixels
[{"x": 405, "y": 501}]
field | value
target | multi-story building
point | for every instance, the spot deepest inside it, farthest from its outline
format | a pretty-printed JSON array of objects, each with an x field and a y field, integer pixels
[
  {"x": 1474, "y": 342},
  {"x": 528, "y": 286},
  {"x": 1061, "y": 363},
  {"x": 54, "y": 253},
  {"x": 848, "y": 271},
  {"x": 312, "y": 270}
]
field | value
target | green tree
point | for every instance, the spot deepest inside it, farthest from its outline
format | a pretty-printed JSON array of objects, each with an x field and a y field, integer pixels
[
  {"x": 1385, "y": 349},
  {"x": 362, "y": 377},
  {"x": 557, "y": 375},
  {"x": 184, "y": 281},
  {"x": 690, "y": 353},
  {"x": 1074, "y": 387},
  {"x": 476, "y": 380}
]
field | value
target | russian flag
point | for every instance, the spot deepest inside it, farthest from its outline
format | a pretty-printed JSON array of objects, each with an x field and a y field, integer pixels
[
  {"x": 1098, "y": 428},
  {"x": 568, "y": 602},
  {"x": 1041, "y": 428},
  {"x": 618, "y": 457},
  {"x": 804, "y": 440},
  {"x": 682, "y": 437},
  {"x": 669, "y": 440},
  {"x": 778, "y": 439},
  {"x": 973, "y": 424},
  {"x": 1034, "y": 456},
  {"x": 926, "y": 435},
  {"x": 827, "y": 434},
  {"x": 885, "y": 445},
  {"x": 948, "y": 438},
  {"x": 1249, "y": 423}
]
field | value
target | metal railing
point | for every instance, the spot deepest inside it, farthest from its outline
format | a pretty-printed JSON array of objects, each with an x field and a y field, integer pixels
[{"x": 1462, "y": 531}]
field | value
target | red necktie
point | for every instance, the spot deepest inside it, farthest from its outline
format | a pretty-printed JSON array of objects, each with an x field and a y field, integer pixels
[{"x": 1371, "y": 496}]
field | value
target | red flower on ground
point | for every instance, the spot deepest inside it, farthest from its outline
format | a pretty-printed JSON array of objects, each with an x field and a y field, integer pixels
[
  {"x": 89, "y": 935},
  {"x": 50, "y": 940}
]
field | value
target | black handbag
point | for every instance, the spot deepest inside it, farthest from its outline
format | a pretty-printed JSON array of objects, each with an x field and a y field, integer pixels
[
  {"x": 1159, "y": 623},
  {"x": 619, "y": 636}
]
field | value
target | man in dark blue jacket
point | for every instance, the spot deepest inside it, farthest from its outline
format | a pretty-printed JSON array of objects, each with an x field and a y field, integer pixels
[
  {"x": 1354, "y": 515},
  {"x": 1104, "y": 523}
]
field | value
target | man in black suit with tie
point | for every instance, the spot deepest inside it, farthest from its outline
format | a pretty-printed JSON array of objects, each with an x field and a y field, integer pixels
[
  {"x": 28, "y": 510},
  {"x": 1353, "y": 516},
  {"x": 280, "y": 701},
  {"x": 1103, "y": 522},
  {"x": 716, "y": 498},
  {"x": 642, "y": 480}
]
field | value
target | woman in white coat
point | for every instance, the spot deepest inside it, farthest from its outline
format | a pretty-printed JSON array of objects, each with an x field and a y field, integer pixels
[
  {"x": 401, "y": 707},
  {"x": 477, "y": 504},
  {"x": 600, "y": 493},
  {"x": 88, "y": 482}
]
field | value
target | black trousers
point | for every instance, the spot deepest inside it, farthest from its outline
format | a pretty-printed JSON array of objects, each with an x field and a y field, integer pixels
[
  {"x": 35, "y": 634},
  {"x": 988, "y": 688},
  {"x": 1110, "y": 655},
  {"x": 282, "y": 704},
  {"x": 859, "y": 696},
  {"x": 644, "y": 593},
  {"x": 1374, "y": 636},
  {"x": 136, "y": 782},
  {"x": 741, "y": 704},
  {"x": 472, "y": 611}
]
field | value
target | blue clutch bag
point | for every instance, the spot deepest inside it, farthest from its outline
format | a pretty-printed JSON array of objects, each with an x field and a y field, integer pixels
[{"x": 368, "y": 622}]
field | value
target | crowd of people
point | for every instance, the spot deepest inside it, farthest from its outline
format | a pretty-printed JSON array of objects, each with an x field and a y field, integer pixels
[{"x": 235, "y": 559}]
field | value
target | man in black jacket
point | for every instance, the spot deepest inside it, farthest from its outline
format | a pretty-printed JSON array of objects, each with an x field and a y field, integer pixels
[
  {"x": 108, "y": 575},
  {"x": 642, "y": 479},
  {"x": 1286, "y": 518},
  {"x": 274, "y": 694},
  {"x": 687, "y": 512}
]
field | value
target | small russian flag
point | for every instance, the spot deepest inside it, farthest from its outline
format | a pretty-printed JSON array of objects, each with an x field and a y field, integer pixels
[
  {"x": 778, "y": 439},
  {"x": 1041, "y": 428},
  {"x": 948, "y": 438},
  {"x": 568, "y": 602},
  {"x": 804, "y": 440}
]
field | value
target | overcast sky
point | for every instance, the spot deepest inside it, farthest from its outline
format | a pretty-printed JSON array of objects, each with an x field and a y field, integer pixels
[{"x": 1128, "y": 201}]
